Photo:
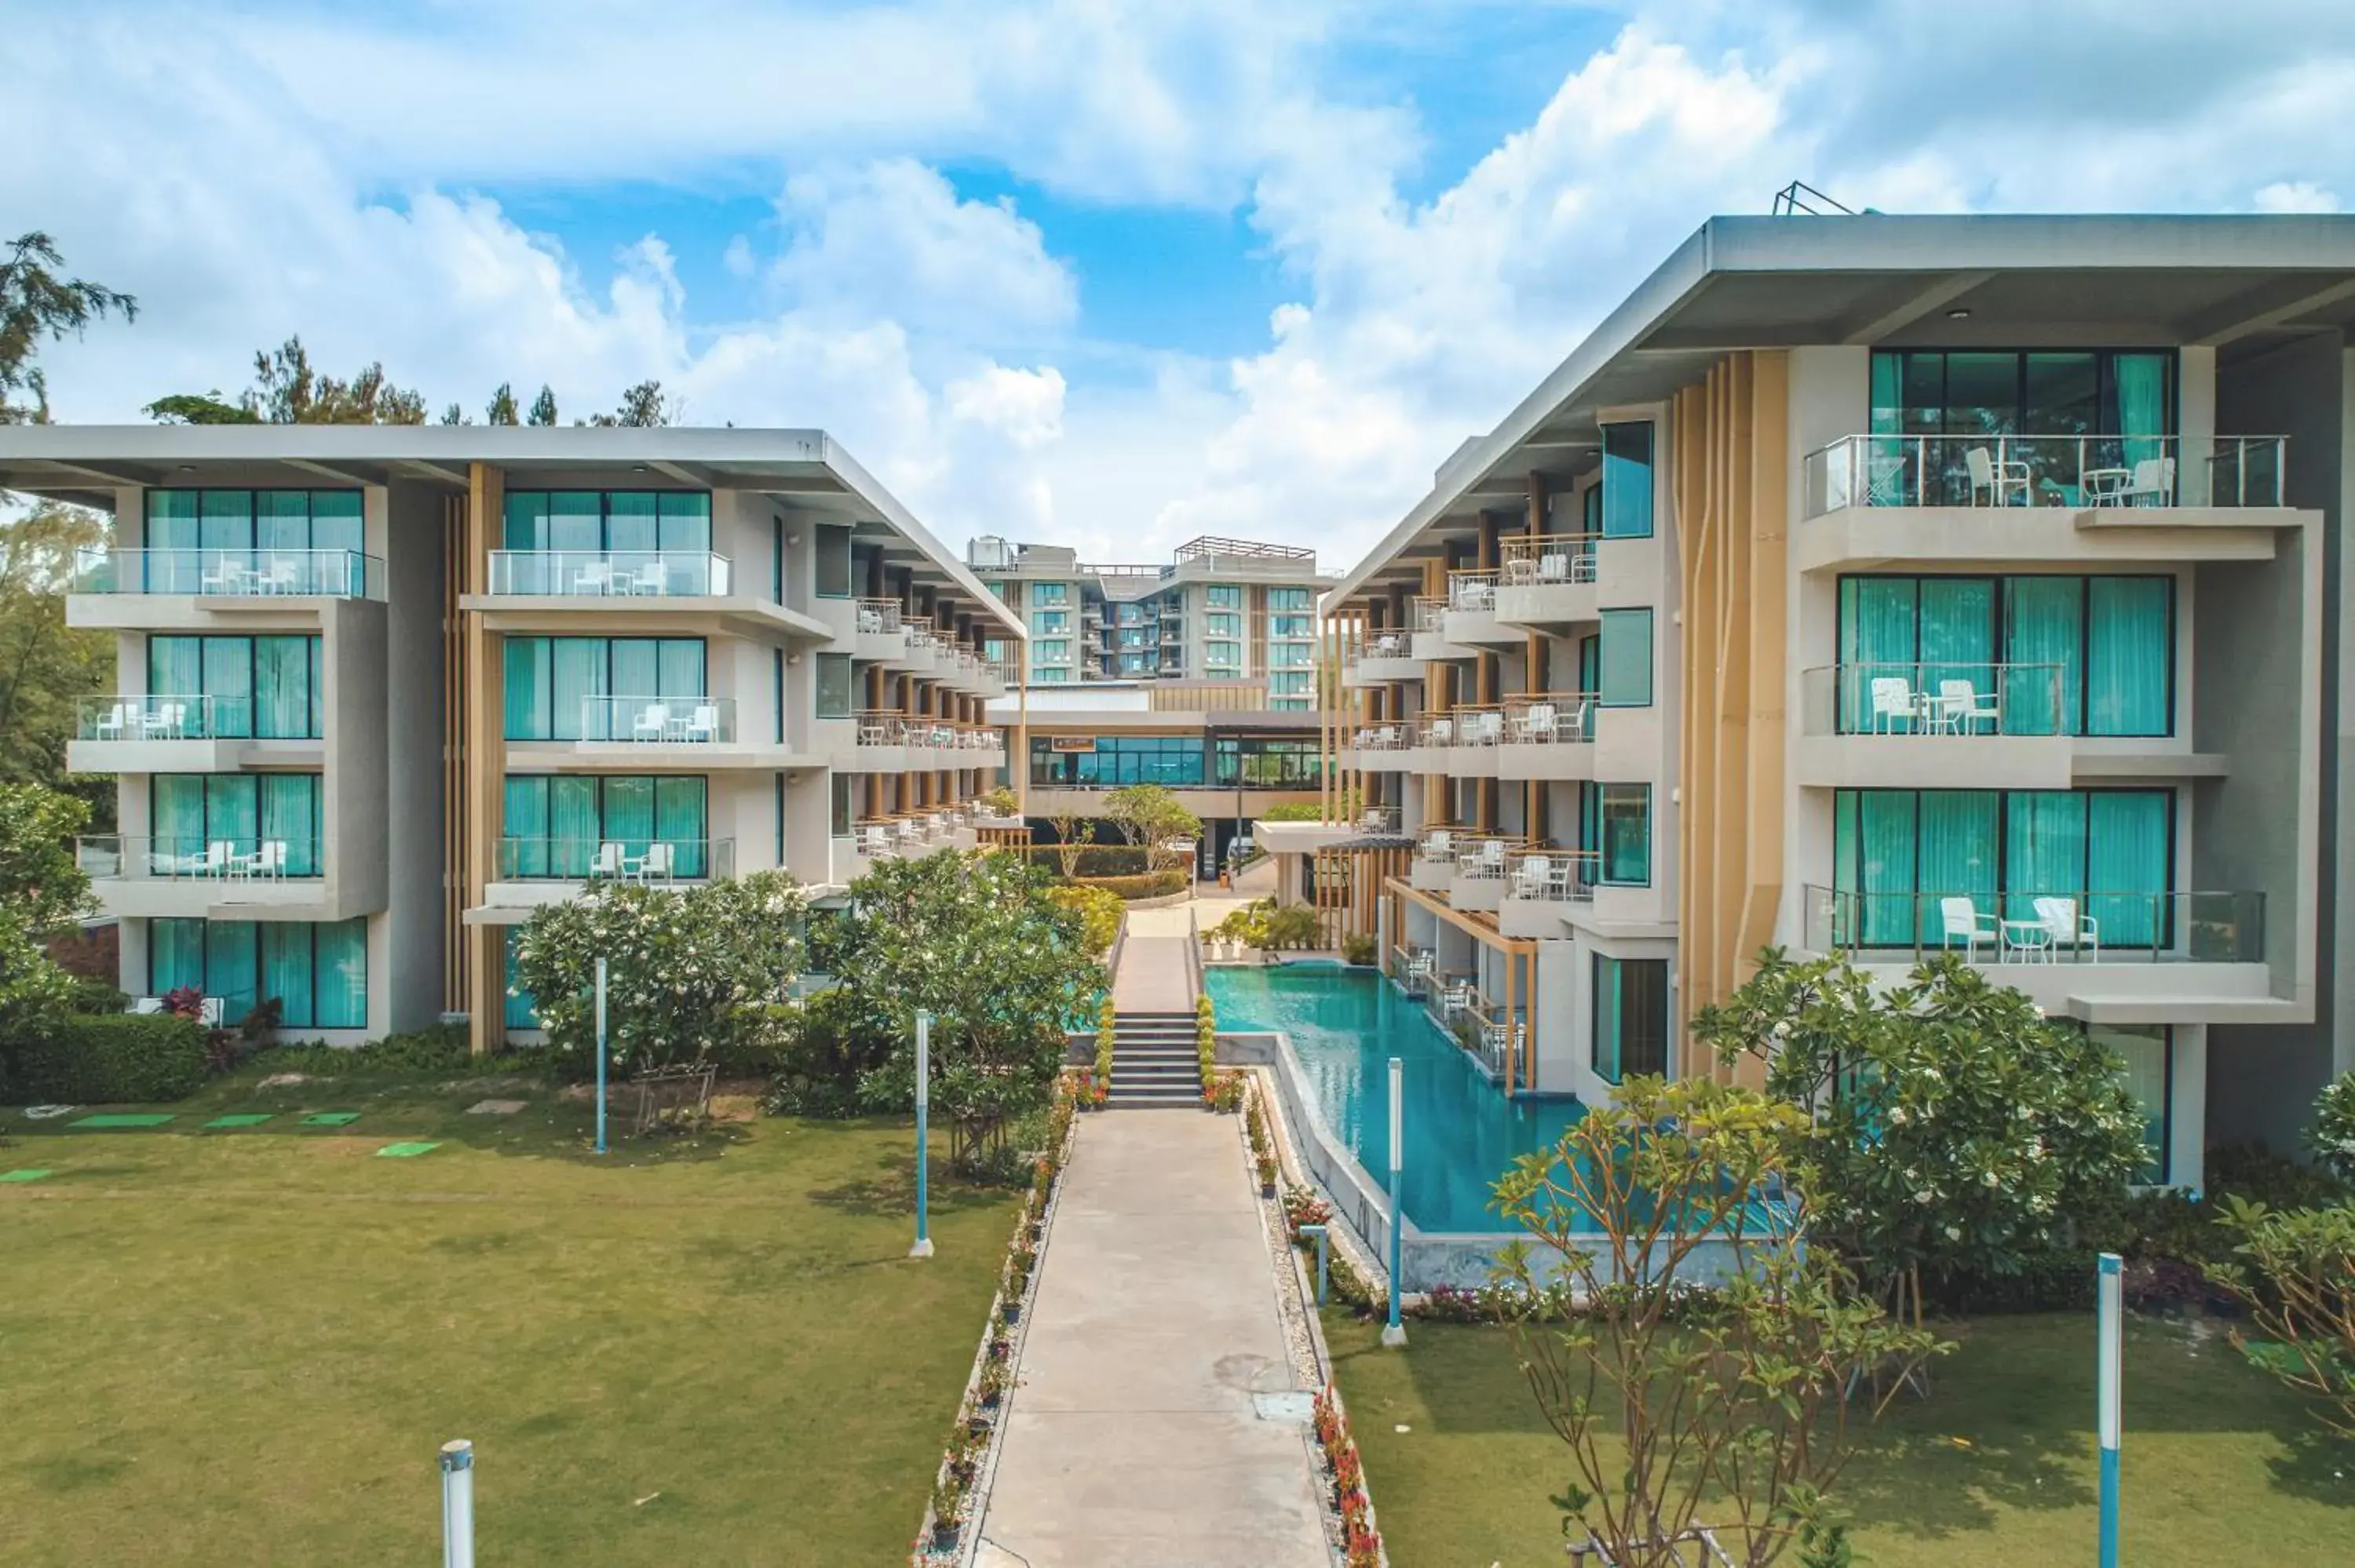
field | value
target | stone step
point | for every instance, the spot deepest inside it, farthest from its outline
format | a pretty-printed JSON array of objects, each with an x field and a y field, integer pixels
[
  {"x": 1187, "y": 1056},
  {"x": 1148, "y": 1098}
]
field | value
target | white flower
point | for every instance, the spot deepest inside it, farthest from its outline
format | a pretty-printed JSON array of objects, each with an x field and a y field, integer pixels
[{"x": 1923, "y": 1196}]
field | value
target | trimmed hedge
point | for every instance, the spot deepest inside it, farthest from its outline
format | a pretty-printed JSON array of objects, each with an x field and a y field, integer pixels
[
  {"x": 1151, "y": 884},
  {"x": 123, "y": 1058}
]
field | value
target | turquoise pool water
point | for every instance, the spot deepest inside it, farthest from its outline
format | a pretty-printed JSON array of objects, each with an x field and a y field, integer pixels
[{"x": 1346, "y": 1025}]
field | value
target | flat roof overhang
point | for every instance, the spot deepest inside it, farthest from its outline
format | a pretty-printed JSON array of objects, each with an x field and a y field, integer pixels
[
  {"x": 2240, "y": 284},
  {"x": 806, "y": 469}
]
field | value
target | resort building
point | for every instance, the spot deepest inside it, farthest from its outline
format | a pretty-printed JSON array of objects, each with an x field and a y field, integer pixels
[
  {"x": 382, "y": 691},
  {"x": 1887, "y": 587},
  {"x": 1222, "y": 610}
]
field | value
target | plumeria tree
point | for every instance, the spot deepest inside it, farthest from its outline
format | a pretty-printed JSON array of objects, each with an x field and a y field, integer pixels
[
  {"x": 974, "y": 940},
  {"x": 1150, "y": 817},
  {"x": 1952, "y": 1132},
  {"x": 42, "y": 891},
  {"x": 688, "y": 971}
]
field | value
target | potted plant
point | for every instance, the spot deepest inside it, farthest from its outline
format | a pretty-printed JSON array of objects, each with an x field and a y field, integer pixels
[
  {"x": 1267, "y": 1169},
  {"x": 1009, "y": 1311},
  {"x": 990, "y": 1393},
  {"x": 948, "y": 1496}
]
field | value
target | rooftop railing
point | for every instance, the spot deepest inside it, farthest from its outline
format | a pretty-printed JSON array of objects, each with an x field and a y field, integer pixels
[
  {"x": 1546, "y": 559},
  {"x": 213, "y": 857},
  {"x": 609, "y": 574},
  {"x": 1549, "y": 718},
  {"x": 594, "y": 859},
  {"x": 2058, "y": 926},
  {"x": 231, "y": 573},
  {"x": 1952, "y": 700},
  {"x": 2076, "y": 472}
]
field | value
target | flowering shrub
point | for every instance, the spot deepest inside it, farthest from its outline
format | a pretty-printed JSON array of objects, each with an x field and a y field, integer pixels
[
  {"x": 1206, "y": 1040},
  {"x": 2334, "y": 1126},
  {"x": 688, "y": 972},
  {"x": 1361, "y": 1543},
  {"x": 1099, "y": 911}
]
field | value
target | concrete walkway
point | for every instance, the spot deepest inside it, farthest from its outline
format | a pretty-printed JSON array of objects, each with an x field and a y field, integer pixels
[
  {"x": 1152, "y": 977},
  {"x": 1132, "y": 1441}
]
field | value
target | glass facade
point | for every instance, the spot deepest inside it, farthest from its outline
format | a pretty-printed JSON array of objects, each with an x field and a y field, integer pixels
[
  {"x": 606, "y": 520},
  {"x": 188, "y": 812},
  {"x": 317, "y": 973},
  {"x": 1175, "y": 761},
  {"x": 2100, "y": 407},
  {"x": 1628, "y": 481},
  {"x": 2088, "y": 655},
  {"x": 1631, "y": 1017},
  {"x": 1050, "y": 620},
  {"x": 1625, "y": 675},
  {"x": 1261, "y": 762},
  {"x": 182, "y": 526},
  {"x": 555, "y": 825},
  {"x": 555, "y": 685},
  {"x": 271, "y": 688},
  {"x": 1898, "y": 851}
]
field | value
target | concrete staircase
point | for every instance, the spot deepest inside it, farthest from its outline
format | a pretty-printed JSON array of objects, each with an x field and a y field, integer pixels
[{"x": 1153, "y": 1061}]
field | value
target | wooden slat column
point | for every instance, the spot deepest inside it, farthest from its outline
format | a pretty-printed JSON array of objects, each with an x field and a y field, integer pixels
[{"x": 484, "y": 759}]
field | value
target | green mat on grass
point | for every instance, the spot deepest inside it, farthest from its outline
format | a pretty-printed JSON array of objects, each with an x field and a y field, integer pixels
[
  {"x": 240, "y": 1118},
  {"x": 406, "y": 1151},
  {"x": 331, "y": 1118},
  {"x": 124, "y": 1118},
  {"x": 22, "y": 1175}
]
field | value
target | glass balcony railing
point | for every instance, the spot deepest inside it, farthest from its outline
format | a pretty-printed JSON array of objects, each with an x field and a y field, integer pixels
[
  {"x": 156, "y": 716},
  {"x": 610, "y": 574},
  {"x": 2077, "y": 926},
  {"x": 217, "y": 857},
  {"x": 231, "y": 573},
  {"x": 653, "y": 859},
  {"x": 1931, "y": 699},
  {"x": 659, "y": 721},
  {"x": 2076, "y": 472}
]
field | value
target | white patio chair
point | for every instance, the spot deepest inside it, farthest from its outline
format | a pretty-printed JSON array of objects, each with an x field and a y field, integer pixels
[
  {"x": 209, "y": 1011},
  {"x": 2153, "y": 483},
  {"x": 1387, "y": 738},
  {"x": 1439, "y": 846},
  {"x": 1553, "y": 566},
  {"x": 1531, "y": 878},
  {"x": 2068, "y": 929},
  {"x": 1487, "y": 729},
  {"x": 594, "y": 577},
  {"x": 609, "y": 860},
  {"x": 110, "y": 723},
  {"x": 1994, "y": 481},
  {"x": 1488, "y": 859},
  {"x": 269, "y": 861},
  {"x": 167, "y": 721},
  {"x": 1963, "y": 707},
  {"x": 654, "y": 578},
  {"x": 1578, "y": 722},
  {"x": 285, "y": 575},
  {"x": 1456, "y": 997},
  {"x": 1442, "y": 733},
  {"x": 651, "y": 723},
  {"x": 703, "y": 724},
  {"x": 1892, "y": 703},
  {"x": 655, "y": 864},
  {"x": 226, "y": 577},
  {"x": 1963, "y": 923},
  {"x": 1536, "y": 724},
  {"x": 220, "y": 855}
]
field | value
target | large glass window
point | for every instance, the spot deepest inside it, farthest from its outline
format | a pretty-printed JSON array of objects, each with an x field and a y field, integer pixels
[
  {"x": 583, "y": 688},
  {"x": 609, "y": 520},
  {"x": 188, "y": 813},
  {"x": 2094, "y": 407},
  {"x": 1223, "y": 596},
  {"x": 2148, "y": 1052},
  {"x": 833, "y": 560},
  {"x": 1222, "y": 655},
  {"x": 1623, "y": 829},
  {"x": 267, "y": 687},
  {"x": 316, "y": 973},
  {"x": 1628, "y": 481},
  {"x": 834, "y": 685},
  {"x": 1109, "y": 761},
  {"x": 559, "y": 826},
  {"x": 1050, "y": 593},
  {"x": 1897, "y": 853},
  {"x": 523, "y": 1008},
  {"x": 1288, "y": 598},
  {"x": 2065, "y": 654},
  {"x": 1292, "y": 684},
  {"x": 1222, "y": 625},
  {"x": 1289, "y": 655},
  {"x": 1258, "y": 762},
  {"x": 1290, "y": 626},
  {"x": 1046, "y": 621},
  {"x": 1626, "y": 659},
  {"x": 1631, "y": 1017},
  {"x": 183, "y": 523}
]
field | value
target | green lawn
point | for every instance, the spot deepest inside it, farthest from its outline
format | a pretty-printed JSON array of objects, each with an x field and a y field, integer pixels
[
  {"x": 244, "y": 1347},
  {"x": 2221, "y": 1466}
]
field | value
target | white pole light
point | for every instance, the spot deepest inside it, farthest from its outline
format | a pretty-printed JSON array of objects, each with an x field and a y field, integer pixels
[{"x": 457, "y": 1504}]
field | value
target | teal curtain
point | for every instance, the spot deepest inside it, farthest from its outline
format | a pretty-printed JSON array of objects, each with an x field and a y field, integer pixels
[
  {"x": 527, "y": 695},
  {"x": 1590, "y": 513},
  {"x": 577, "y": 671},
  {"x": 229, "y": 680},
  {"x": 1610, "y": 1006},
  {"x": 523, "y": 1008},
  {"x": 290, "y": 814},
  {"x": 573, "y": 831},
  {"x": 2043, "y": 626},
  {"x": 630, "y": 521},
  {"x": 318, "y": 686},
  {"x": 685, "y": 522},
  {"x": 225, "y": 520},
  {"x": 176, "y": 956},
  {"x": 1887, "y": 882},
  {"x": 2044, "y": 850},
  {"x": 281, "y": 520},
  {"x": 336, "y": 521},
  {"x": 2126, "y": 846},
  {"x": 1626, "y": 672},
  {"x": 2129, "y": 656},
  {"x": 629, "y": 814},
  {"x": 1626, "y": 834},
  {"x": 285, "y": 703},
  {"x": 172, "y": 537},
  {"x": 1627, "y": 481},
  {"x": 1590, "y": 819},
  {"x": 232, "y": 811},
  {"x": 632, "y": 665},
  {"x": 232, "y": 967},
  {"x": 175, "y": 816},
  {"x": 1589, "y": 665},
  {"x": 1888, "y": 395},
  {"x": 679, "y": 668},
  {"x": 2144, "y": 413},
  {"x": 1957, "y": 621},
  {"x": 341, "y": 986},
  {"x": 1956, "y": 841},
  {"x": 576, "y": 521},
  {"x": 286, "y": 971},
  {"x": 1878, "y": 638},
  {"x": 176, "y": 668},
  {"x": 526, "y": 520},
  {"x": 526, "y": 828},
  {"x": 680, "y": 820}
]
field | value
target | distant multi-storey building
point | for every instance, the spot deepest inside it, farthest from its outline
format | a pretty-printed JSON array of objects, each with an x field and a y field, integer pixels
[
  {"x": 381, "y": 692},
  {"x": 1887, "y": 587},
  {"x": 1221, "y": 610}
]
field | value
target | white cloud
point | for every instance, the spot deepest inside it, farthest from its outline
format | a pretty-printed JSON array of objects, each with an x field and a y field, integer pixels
[{"x": 2295, "y": 195}]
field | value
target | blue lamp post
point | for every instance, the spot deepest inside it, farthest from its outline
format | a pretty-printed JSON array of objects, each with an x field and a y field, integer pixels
[
  {"x": 2107, "y": 1415},
  {"x": 1394, "y": 1331},
  {"x": 923, "y": 1248}
]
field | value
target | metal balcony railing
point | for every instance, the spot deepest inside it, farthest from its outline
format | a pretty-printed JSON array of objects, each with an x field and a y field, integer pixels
[
  {"x": 2038, "y": 927},
  {"x": 1548, "y": 874},
  {"x": 1485, "y": 857},
  {"x": 220, "y": 857},
  {"x": 1933, "y": 699},
  {"x": 1477, "y": 725},
  {"x": 2065, "y": 471},
  {"x": 1550, "y": 719},
  {"x": 621, "y": 859},
  {"x": 609, "y": 574},
  {"x": 1472, "y": 591},
  {"x": 878, "y": 615},
  {"x": 1430, "y": 614},
  {"x": 1546, "y": 559},
  {"x": 231, "y": 573}
]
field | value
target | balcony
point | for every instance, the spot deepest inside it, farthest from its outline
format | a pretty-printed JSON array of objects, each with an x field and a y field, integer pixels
[
  {"x": 1547, "y": 735},
  {"x": 215, "y": 582},
  {"x": 609, "y": 575},
  {"x": 892, "y": 742},
  {"x": 1934, "y": 725},
  {"x": 1471, "y": 619},
  {"x": 224, "y": 876},
  {"x": 1483, "y": 871},
  {"x": 1433, "y": 743},
  {"x": 1384, "y": 656},
  {"x": 1431, "y": 642},
  {"x": 1432, "y": 870},
  {"x": 650, "y": 860},
  {"x": 147, "y": 732},
  {"x": 1476, "y": 735},
  {"x": 1543, "y": 885},
  {"x": 2131, "y": 957},
  {"x": 1546, "y": 583},
  {"x": 1379, "y": 748},
  {"x": 658, "y": 721},
  {"x": 1872, "y": 499}
]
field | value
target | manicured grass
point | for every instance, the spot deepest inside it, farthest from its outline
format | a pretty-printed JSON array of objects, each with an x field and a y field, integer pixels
[
  {"x": 1998, "y": 1466},
  {"x": 244, "y": 1345}
]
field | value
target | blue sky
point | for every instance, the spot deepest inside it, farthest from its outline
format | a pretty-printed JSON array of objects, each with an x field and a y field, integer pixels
[{"x": 1108, "y": 272}]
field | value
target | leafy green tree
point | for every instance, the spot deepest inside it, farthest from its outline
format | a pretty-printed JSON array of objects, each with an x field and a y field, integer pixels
[
  {"x": 47, "y": 668},
  {"x": 455, "y": 415},
  {"x": 42, "y": 892},
  {"x": 1687, "y": 1408},
  {"x": 1099, "y": 911},
  {"x": 2296, "y": 1280},
  {"x": 502, "y": 409},
  {"x": 1152, "y": 818},
  {"x": 543, "y": 408},
  {"x": 689, "y": 972},
  {"x": 199, "y": 409},
  {"x": 1953, "y": 1134},
  {"x": 643, "y": 406},
  {"x": 35, "y": 304},
  {"x": 2333, "y": 1133},
  {"x": 286, "y": 391},
  {"x": 974, "y": 940}
]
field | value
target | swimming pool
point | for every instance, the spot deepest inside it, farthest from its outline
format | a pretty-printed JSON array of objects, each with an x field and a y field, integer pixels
[{"x": 1346, "y": 1025}]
